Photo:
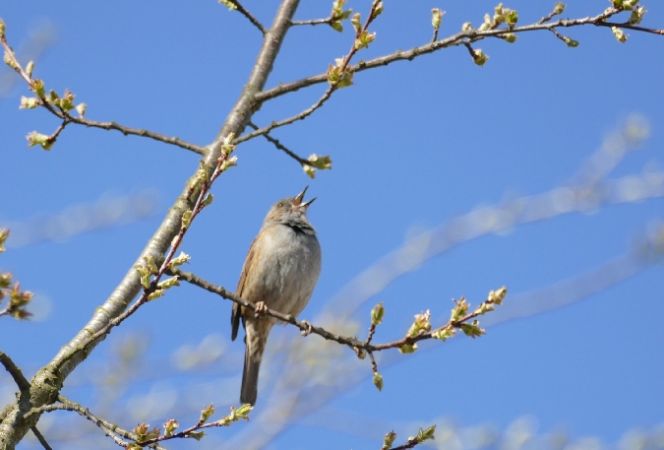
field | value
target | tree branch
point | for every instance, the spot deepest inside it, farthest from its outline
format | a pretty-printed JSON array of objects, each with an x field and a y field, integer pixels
[
  {"x": 24, "y": 387},
  {"x": 49, "y": 379},
  {"x": 277, "y": 143},
  {"x": 306, "y": 328},
  {"x": 451, "y": 41},
  {"x": 242, "y": 10}
]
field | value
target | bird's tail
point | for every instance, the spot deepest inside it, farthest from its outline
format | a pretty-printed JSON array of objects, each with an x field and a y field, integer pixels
[{"x": 253, "y": 354}]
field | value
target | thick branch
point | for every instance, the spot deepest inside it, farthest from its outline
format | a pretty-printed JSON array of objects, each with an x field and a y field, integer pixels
[{"x": 48, "y": 381}]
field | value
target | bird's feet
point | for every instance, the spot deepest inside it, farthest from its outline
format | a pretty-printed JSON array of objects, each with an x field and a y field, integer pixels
[
  {"x": 306, "y": 331},
  {"x": 260, "y": 308}
]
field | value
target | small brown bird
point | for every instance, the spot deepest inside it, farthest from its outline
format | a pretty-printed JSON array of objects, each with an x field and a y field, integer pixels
[{"x": 280, "y": 272}]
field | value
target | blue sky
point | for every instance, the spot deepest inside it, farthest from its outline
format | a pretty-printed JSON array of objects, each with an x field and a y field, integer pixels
[{"x": 414, "y": 145}]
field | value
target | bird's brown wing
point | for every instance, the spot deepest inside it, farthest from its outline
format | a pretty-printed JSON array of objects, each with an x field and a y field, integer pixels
[{"x": 236, "y": 314}]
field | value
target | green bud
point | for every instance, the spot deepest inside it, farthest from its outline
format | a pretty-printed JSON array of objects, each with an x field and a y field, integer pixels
[
  {"x": 378, "y": 381},
  {"x": 38, "y": 88},
  {"x": 186, "y": 218},
  {"x": 156, "y": 294},
  {"x": 198, "y": 435},
  {"x": 170, "y": 426},
  {"x": 424, "y": 434},
  {"x": 206, "y": 413},
  {"x": 182, "y": 258},
  {"x": 444, "y": 333},
  {"x": 43, "y": 140},
  {"x": 356, "y": 21},
  {"x": 388, "y": 440},
  {"x": 309, "y": 170},
  {"x": 558, "y": 8},
  {"x": 436, "y": 18},
  {"x": 511, "y": 18},
  {"x": 570, "y": 42},
  {"x": 637, "y": 15},
  {"x": 3, "y": 29},
  {"x": 480, "y": 57},
  {"x": 4, "y": 234},
  {"x": 29, "y": 103},
  {"x": 619, "y": 34},
  {"x": 509, "y": 37},
  {"x": 408, "y": 348},
  {"x": 323, "y": 162},
  {"x": 29, "y": 68},
  {"x": 472, "y": 330},
  {"x": 81, "y": 109},
  {"x": 228, "y": 4},
  {"x": 242, "y": 412},
  {"x": 364, "y": 39},
  {"x": 228, "y": 163},
  {"x": 169, "y": 283},
  {"x": 460, "y": 309},
  {"x": 466, "y": 27},
  {"x": 377, "y": 313},
  {"x": 496, "y": 297},
  {"x": 377, "y": 10}
]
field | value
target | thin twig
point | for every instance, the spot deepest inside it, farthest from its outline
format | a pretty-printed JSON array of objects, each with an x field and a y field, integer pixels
[
  {"x": 277, "y": 143},
  {"x": 312, "y": 22},
  {"x": 16, "y": 373},
  {"x": 451, "y": 41},
  {"x": 342, "y": 67},
  {"x": 242, "y": 10},
  {"x": 68, "y": 118},
  {"x": 40, "y": 437},
  {"x": 280, "y": 123}
]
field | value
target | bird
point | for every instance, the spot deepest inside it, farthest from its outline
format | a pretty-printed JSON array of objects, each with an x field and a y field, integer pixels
[{"x": 280, "y": 273}]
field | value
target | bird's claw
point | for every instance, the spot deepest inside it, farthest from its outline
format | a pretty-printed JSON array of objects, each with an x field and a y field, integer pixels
[
  {"x": 260, "y": 308},
  {"x": 307, "y": 328}
]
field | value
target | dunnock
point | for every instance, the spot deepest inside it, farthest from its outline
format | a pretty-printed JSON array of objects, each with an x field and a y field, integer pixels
[{"x": 280, "y": 272}]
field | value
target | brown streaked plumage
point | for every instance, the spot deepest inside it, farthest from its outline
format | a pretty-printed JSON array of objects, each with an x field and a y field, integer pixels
[{"x": 280, "y": 271}]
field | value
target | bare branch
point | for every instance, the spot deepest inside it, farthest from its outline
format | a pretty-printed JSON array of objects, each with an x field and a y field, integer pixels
[
  {"x": 313, "y": 22},
  {"x": 280, "y": 123},
  {"x": 242, "y": 10},
  {"x": 277, "y": 143},
  {"x": 16, "y": 373}
]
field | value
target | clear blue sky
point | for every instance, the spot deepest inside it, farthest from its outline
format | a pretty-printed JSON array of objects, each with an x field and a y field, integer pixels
[{"x": 413, "y": 145}]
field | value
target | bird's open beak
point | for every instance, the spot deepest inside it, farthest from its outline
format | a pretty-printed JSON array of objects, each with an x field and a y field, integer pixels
[{"x": 300, "y": 197}]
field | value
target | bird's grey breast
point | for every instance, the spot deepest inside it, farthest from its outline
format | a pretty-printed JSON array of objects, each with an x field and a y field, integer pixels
[{"x": 291, "y": 270}]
